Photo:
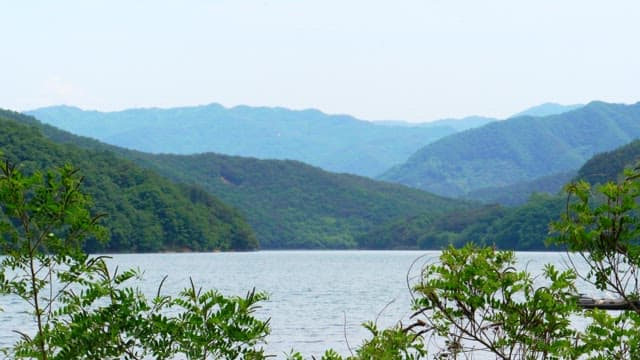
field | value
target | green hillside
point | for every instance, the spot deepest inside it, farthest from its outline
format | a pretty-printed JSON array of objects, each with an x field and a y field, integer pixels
[
  {"x": 145, "y": 211},
  {"x": 288, "y": 204},
  {"x": 517, "y": 228},
  {"x": 338, "y": 143},
  {"x": 518, "y": 150},
  {"x": 519, "y": 193},
  {"x": 293, "y": 205},
  {"x": 608, "y": 166},
  {"x": 523, "y": 227}
]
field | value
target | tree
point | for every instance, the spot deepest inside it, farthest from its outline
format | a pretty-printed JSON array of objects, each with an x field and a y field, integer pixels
[
  {"x": 81, "y": 309},
  {"x": 474, "y": 300},
  {"x": 601, "y": 226}
]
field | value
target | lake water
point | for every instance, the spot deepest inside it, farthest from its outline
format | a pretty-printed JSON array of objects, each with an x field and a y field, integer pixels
[{"x": 317, "y": 299}]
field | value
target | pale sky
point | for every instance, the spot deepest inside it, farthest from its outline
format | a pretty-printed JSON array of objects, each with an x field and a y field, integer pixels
[{"x": 376, "y": 60}]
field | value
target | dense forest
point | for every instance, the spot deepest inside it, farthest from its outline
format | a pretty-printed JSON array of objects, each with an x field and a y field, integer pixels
[
  {"x": 518, "y": 150},
  {"x": 289, "y": 204},
  {"x": 145, "y": 212},
  {"x": 294, "y": 205},
  {"x": 522, "y": 227},
  {"x": 519, "y": 193},
  {"x": 609, "y": 166}
]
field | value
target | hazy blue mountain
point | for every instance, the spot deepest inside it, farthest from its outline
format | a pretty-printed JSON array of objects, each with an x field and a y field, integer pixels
[
  {"x": 465, "y": 123},
  {"x": 338, "y": 143},
  {"x": 289, "y": 204},
  {"x": 518, "y": 149},
  {"x": 547, "y": 109}
]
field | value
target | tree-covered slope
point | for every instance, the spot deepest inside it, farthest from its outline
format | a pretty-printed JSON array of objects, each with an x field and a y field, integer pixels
[
  {"x": 522, "y": 227},
  {"x": 518, "y": 150},
  {"x": 609, "y": 165},
  {"x": 519, "y": 193},
  {"x": 294, "y": 205},
  {"x": 145, "y": 211},
  {"x": 289, "y": 204},
  {"x": 516, "y": 228},
  {"x": 337, "y": 143}
]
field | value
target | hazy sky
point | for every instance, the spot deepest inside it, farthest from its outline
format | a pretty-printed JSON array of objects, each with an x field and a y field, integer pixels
[{"x": 409, "y": 60}]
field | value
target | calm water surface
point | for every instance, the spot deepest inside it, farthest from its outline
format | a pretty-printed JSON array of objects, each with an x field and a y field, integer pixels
[{"x": 317, "y": 299}]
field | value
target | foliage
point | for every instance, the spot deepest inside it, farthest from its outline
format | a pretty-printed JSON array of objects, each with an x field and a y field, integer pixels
[
  {"x": 83, "y": 311},
  {"x": 476, "y": 301},
  {"x": 394, "y": 343},
  {"x": 145, "y": 211},
  {"x": 211, "y": 325},
  {"x": 602, "y": 228}
]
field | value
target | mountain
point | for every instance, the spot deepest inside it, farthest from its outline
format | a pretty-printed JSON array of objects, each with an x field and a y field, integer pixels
[
  {"x": 519, "y": 193},
  {"x": 145, "y": 212},
  {"x": 524, "y": 227},
  {"x": 608, "y": 166},
  {"x": 465, "y": 123},
  {"x": 294, "y": 205},
  {"x": 518, "y": 149},
  {"x": 547, "y": 109},
  {"x": 338, "y": 143},
  {"x": 289, "y": 204}
]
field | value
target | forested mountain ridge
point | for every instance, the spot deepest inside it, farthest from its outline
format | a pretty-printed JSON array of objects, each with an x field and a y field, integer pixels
[
  {"x": 294, "y": 205},
  {"x": 522, "y": 227},
  {"x": 519, "y": 193},
  {"x": 518, "y": 150},
  {"x": 289, "y": 204},
  {"x": 608, "y": 166},
  {"x": 338, "y": 143},
  {"x": 145, "y": 212}
]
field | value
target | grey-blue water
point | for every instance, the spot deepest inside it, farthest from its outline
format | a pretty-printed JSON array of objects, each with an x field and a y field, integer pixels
[{"x": 317, "y": 299}]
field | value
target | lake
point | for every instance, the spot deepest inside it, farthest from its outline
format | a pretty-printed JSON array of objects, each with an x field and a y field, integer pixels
[{"x": 317, "y": 299}]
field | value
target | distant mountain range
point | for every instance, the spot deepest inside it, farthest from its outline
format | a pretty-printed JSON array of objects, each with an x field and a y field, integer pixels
[
  {"x": 518, "y": 150},
  {"x": 293, "y": 205},
  {"x": 547, "y": 109},
  {"x": 289, "y": 204},
  {"x": 338, "y": 143},
  {"x": 465, "y": 123}
]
